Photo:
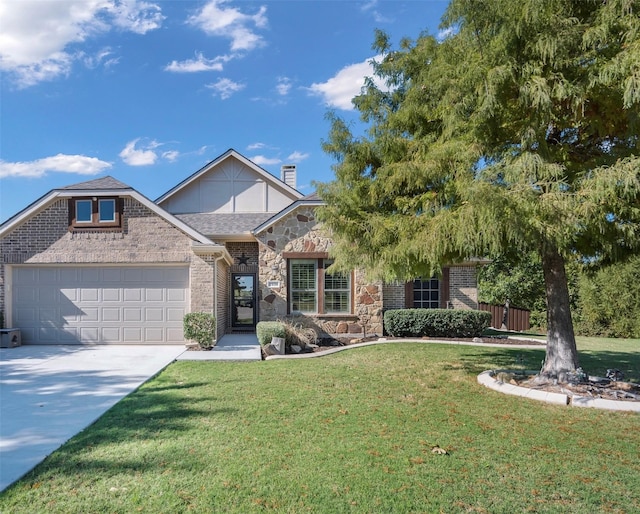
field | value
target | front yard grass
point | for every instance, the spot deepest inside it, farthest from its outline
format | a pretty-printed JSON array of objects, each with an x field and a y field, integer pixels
[{"x": 349, "y": 432}]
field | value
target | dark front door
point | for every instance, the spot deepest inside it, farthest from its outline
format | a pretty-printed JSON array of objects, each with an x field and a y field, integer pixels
[{"x": 243, "y": 310}]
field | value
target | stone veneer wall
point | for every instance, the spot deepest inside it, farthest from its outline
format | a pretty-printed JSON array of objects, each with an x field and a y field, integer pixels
[
  {"x": 145, "y": 239},
  {"x": 300, "y": 232},
  {"x": 463, "y": 287}
]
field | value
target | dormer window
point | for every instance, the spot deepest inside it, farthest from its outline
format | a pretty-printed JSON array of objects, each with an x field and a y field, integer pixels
[
  {"x": 95, "y": 213},
  {"x": 84, "y": 210},
  {"x": 107, "y": 210}
]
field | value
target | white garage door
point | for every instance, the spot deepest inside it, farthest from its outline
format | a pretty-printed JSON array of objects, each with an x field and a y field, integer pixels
[{"x": 128, "y": 304}]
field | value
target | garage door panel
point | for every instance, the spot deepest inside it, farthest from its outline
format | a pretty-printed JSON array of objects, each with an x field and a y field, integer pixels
[
  {"x": 111, "y": 314},
  {"x": 111, "y": 335},
  {"x": 132, "y": 314},
  {"x": 48, "y": 276},
  {"x": 90, "y": 314},
  {"x": 176, "y": 295},
  {"x": 154, "y": 314},
  {"x": 132, "y": 295},
  {"x": 26, "y": 295},
  {"x": 111, "y": 295},
  {"x": 154, "y": 295},
  {"x": 100, "y": 304},
  {"x": 68, "y": 335},
  {"x": 175, "y": 314},
  {"x": 174, "y": 335},
  {"x": 68, "y": 275},
  {"x": 154, "y": 275},
  {"x": 89, "y": 294},
  {"x": 132, "y": 334},
  {"x": 89, "y": 334},
  {"x": 71, "y": 294},
  {"x": 154, "y": 335},
  {"x": 112, "y": 275},
  {"x": 24, "y": 316},
  {"x": 133, "y": 275},
  {"x": 90, "y": 274}
]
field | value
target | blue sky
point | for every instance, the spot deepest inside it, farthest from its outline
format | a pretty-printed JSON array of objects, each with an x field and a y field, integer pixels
[{"x": 150, "y": 91}]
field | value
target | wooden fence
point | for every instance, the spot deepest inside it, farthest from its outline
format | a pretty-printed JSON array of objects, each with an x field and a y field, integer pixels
[{"x": 518, "y": 318}]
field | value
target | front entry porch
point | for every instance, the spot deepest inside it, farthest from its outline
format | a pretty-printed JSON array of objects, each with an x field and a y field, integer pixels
[{"x": 230, "y": 347}]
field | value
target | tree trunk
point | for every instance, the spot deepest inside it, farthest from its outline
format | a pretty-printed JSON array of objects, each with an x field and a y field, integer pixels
[{"x": 562, "y": 354}]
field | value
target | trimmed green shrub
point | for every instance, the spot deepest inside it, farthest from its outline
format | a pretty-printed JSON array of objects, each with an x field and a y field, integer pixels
[
  {"x": 435, "y": 322},
  {"x": 266, "y": 330},
  {"x": 200, "y": 327}
]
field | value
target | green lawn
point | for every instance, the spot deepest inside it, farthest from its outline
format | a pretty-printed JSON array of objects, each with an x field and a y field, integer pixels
[{"x": 350, "y": 432}]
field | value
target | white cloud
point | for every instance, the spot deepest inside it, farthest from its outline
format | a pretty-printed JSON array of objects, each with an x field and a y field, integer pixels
[
  {"x": 225, "y": 88},
  {"x": 37, "y": 38},
  {"x": 261, "y": 160},
  {"x": 283, "y": 86},
  {"x": 101, "y": 58},
  {"x": 61, "y": 163},
  {"x": 339, "y": 90},
  {"x": 135, "y": 15},
  {"x": 143, "y": 156},
  {"x": 216, "y": 19},
  {"x": 371, "y": 7},
  {"x": 200, "y": 63},
  {"x": 171, "y": 155},
  {"x": 297, "y": 157},
  {"x": 256, "y": 146}
]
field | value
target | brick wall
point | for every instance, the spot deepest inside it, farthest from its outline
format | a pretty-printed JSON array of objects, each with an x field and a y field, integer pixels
[
  {"x": 145, "y": 238},
  {"x": 394, "y": 295},
  {"x": 463, "y": 287}
]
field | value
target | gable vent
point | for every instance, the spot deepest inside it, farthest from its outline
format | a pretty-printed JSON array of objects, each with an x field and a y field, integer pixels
[{"x": 288, "y": 175}]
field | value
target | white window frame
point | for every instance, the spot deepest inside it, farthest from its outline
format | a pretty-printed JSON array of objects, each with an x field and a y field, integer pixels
[
  {"x": 319, "y": 289},
  {"x": 325, "y": 264},
  {"x": 111, "y": 201},
  {"x": 80, "y": 202},
  {"x": 300, "y": 290}
]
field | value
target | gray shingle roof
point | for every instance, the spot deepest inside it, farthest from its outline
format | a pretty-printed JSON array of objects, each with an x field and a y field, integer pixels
[
  {"x": 214, "y": 223},
  {"x": 107, "y": 182}
]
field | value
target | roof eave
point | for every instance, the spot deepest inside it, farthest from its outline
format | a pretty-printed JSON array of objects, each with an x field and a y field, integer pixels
[
  {"x": 277, "y": 217},
  {"x": 213, "y": 249}
]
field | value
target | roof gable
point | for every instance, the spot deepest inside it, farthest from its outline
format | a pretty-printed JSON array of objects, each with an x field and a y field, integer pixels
[
  {"x": 230, "y": 183},
  {"x": 105, "y": 186},
  {"x": 311, "y": 200}
]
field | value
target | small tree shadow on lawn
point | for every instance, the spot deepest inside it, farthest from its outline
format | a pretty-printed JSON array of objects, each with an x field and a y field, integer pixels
[
  {"x": 595, "y": 363},
  {"x": 145, "y": 417}
]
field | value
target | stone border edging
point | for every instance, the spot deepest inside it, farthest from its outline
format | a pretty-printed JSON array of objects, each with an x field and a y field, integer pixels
[{"x": 488, "y": 379}]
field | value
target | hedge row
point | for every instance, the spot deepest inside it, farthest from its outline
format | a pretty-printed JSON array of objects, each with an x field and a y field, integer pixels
[{"x": 436, "y": 322}]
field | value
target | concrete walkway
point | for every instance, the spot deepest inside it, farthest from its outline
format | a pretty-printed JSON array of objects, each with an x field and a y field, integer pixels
[{"x": 231, "y": 347}]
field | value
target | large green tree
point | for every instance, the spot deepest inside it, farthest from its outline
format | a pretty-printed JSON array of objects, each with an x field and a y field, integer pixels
[{"x": 517, "y": 132}]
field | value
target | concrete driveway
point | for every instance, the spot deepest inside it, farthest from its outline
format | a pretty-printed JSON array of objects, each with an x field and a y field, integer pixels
[{"x": 50, "y": 393}]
